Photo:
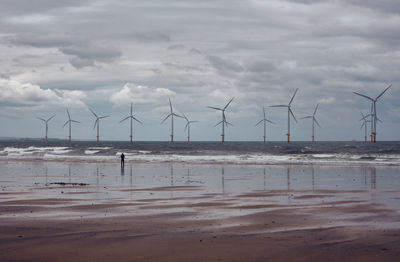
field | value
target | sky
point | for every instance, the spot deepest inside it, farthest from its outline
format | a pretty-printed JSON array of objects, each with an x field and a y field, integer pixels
[{"x": 104, "y": 54}]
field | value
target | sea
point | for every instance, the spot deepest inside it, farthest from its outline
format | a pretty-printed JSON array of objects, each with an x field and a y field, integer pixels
[{"x": 242, "y": 153}]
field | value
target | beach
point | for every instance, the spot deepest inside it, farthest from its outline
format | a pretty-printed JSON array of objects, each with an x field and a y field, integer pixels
[{"x": 80, "y": 211}]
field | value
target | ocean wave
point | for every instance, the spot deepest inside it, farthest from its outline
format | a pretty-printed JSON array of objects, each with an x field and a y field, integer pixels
[{"x": 233, "y": 153}]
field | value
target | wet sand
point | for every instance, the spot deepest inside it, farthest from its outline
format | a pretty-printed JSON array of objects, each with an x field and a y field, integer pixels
[{"x": 198, "y": 213}]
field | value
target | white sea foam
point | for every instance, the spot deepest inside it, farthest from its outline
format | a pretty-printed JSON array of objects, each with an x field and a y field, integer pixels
[{"x": 91, "y": 152}]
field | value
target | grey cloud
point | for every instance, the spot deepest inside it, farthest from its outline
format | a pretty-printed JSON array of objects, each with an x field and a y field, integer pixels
[
  {"x": 37, "y": 6},
  {"x": 83, "y": 56},
  {"x": 151, "y": 37},
  {"x": 225, "y": 65},
  {"x": 177, "y": 46},
  {"x": 42, "y": 41}
]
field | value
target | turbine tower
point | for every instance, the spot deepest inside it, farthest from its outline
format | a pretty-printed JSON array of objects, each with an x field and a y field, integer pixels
[
  {"x": 172, "y": 114},
  {"x": 131, "y": 117},
  {"x": 289, "y": 113},
  {"x": 188, "y": 122},
  {"x": 97, "y": 123},
  {"x": 314, "y": 120},
  {"x": 374, "y": 117},
  {"x": 265, "y": 120},
  {"x": 69, "y": 121},
  {"x": 47, "y": 127},
  {"x": 364, "y": 124},
  {"x": 223, "y": 121}
]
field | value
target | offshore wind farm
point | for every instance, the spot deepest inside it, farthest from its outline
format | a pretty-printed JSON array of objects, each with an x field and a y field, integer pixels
[
  {"x": 224, "y": 123},
  {"x": 199, "y": 130}
]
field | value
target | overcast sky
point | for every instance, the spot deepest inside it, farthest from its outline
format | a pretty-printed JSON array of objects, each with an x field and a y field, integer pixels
[{"x": 106, "y": 54}]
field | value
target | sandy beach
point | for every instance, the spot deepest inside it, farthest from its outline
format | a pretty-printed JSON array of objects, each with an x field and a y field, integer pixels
[{"x": 98, "y": 212}]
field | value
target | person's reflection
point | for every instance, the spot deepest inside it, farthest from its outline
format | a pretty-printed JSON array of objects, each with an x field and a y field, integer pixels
[
  {"x": 264, "y": 179},
  {"x": 288, "y": 185},
  {"x": 45, "y": 173},
  {"x": 313, "y": 177},
  {"x": 223, "y": 179},
  {"x": 131, "y": 176},
  {"x": 97, "y": 175},
  {"x": 122, "y": 170},
  {"x": 172, "y": 176},
  {"x": 373, "y": 178},
  {"x": 69, "y": 173}
]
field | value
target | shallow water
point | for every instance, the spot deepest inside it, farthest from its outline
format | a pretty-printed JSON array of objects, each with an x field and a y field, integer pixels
[{"x": 201, "y": 191}]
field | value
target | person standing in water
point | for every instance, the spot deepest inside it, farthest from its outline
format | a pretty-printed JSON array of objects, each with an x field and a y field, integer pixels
[{"x": 122, "y": 160}]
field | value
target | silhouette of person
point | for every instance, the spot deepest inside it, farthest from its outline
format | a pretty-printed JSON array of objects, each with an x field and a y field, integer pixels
[{"x": 122, "y": 160}]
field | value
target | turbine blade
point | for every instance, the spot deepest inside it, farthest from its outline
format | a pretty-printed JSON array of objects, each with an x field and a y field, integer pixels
[
  {"x": 177, "y": 115},
  {"x": 218, "y": 123},
  {"x": 41, "y": 119},
  {"x": 227, "y": 123},
  {"x": 290, "y": 110},
  {"x": 362, "y": 125},
  {"x": 75, "y": 121},
  {"x": 69, "y": 117},
  {"x": 184, "y": 116},
  {"x": 264, "y": 112},
  {"x": 195, "y": 121},
  {"x": 291, "y": 100},
  {"x": 216, "y": 108},
  {"x": 137, "y": 120},
  {"x": 103, "y": 117},
  {"x": 270, "y": 121},
  {"x": 186, "y": 126},
  {"x": 50, "y": 118},
  {"x": 259, "y": 122},
  {"x": 166, "y": 118},
  {"x": 95, "y": 123},
  {"x": 66, "y": 123},
  {"x": 383, "y": 92},
  {"x": 306, "y": 117},
  {"x": 228, "y": 103},
  {"x": 170, "y": 104},
  {"x": 279, "y": 106},
  {"x": 315, "y": 111},
  {"x": 93, "y": 112},
  {"x": 367, "y": 97},
  {"x": 317, "y": 122},
  {"x": 124, "y": 119}
]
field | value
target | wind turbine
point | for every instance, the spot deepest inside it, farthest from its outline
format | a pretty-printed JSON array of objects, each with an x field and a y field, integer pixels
[
  {"x": 289, "y": 113},
  {"x": 374, "y": 117},
  {"x": 131, "y": 117},
  {"x": 223, "y": 121},
  {"x": 188, "y": 122},
  {"x": 172, "y": 114},
  {"x": 314, "y": 120},
  {"x": 97, "y": 123},
  {"x": 364, "y": 124},
  {"x": 265, "y": 120},
  {"x": 69, "y": 121},
  {"x": 47, "y": 127}
]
